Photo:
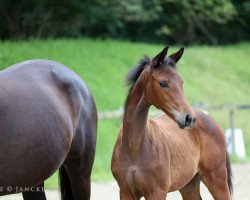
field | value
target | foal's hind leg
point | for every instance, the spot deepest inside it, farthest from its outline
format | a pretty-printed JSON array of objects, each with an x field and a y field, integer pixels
[
  {"x": 216, "y": 182},
  {"x": 37, "y": 193},
  {"x": 192, "y": 190}
]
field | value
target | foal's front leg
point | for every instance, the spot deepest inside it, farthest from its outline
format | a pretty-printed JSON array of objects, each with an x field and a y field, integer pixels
[
  {"x": 127, "y": 196},
  {"x": 159, "y": 195}
]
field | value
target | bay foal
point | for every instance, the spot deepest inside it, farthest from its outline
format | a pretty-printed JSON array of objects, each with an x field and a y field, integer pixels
[{"x": 155, "y": 156}]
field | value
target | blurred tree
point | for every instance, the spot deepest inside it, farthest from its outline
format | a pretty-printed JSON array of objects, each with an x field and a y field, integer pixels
[
  {"x": 195, "y": 21},
  {"x": 183, "y": 21},
  {"x": 40, "y": 18},
  {"x": 239, "y": 28}
]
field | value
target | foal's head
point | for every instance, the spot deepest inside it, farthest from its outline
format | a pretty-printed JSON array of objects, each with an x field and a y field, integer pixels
[{"x": 163, "y": 87}]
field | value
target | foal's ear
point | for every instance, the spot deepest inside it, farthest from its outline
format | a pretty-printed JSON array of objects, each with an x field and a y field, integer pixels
[
  {"x": 158, "y": 60},
  {"x": 177, "y": 55}
]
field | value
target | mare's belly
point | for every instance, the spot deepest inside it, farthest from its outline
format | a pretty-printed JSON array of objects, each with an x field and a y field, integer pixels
[{"x": 30, "y": 158}]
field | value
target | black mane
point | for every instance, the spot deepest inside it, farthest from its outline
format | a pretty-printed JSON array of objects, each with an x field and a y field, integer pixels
[{"x": 134, "y": 74}]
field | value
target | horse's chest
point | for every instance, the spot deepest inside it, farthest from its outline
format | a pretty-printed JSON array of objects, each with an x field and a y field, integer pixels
[
  {"x": 139, "y": 177},
  {"x": 181, "y": 173}
]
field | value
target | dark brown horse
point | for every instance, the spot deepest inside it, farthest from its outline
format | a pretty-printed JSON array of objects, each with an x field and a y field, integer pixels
[
  {"x": 48, "y": 121},
  {"x": 175, "y": 151}
]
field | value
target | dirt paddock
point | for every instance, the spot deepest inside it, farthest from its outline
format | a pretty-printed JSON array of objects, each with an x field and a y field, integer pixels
[{"x": 110, "y": 190}]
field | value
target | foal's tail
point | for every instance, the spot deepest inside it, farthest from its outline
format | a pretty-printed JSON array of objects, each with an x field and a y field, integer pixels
[
  {"x": 65, "y": 186},
  {"x": 229, "y": 175}
]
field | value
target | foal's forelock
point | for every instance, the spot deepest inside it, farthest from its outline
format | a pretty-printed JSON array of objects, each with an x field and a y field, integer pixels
[{"x": 135, "y": 73}]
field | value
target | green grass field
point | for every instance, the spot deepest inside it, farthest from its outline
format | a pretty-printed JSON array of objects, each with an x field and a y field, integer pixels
[{"x": 212, "y": 75}]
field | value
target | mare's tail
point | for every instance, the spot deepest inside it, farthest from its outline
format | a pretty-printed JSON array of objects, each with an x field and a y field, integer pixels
[
  {"x": 229, "y": 175},
  {"x": 65, "y": 186}
]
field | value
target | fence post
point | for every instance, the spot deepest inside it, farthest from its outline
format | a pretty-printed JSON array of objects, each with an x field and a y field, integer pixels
[{"x": 232, "y": 130}]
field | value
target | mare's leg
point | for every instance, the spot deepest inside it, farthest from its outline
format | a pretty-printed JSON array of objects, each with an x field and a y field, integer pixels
[
  {"x": 80, "y": 161},
  {"x": 192, "y": 190},
  {"x": 216, "y": 182},
  {"x": 80, "y": 181},
  {"x": 79, "y": 171},
  {"x": 36, "y": 193}
]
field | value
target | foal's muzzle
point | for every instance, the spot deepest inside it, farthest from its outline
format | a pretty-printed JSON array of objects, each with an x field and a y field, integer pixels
[{"x": 186, "y": 121}]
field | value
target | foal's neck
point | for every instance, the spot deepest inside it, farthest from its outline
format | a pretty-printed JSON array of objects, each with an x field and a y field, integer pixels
[{"x": 135, "y": 120}]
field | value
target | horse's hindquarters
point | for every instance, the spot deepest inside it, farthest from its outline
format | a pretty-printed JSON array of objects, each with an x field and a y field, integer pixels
[
  {"x": 30, "y": 165},
  {"x": 42, "y": 104},
  {"x": 35, "y": 137}
]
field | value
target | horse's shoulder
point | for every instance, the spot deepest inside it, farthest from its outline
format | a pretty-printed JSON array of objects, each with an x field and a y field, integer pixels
[
  {"x": 160, "y": 127},
  {"x": 162, "y": 122},
  {"x": 153, "y": 123}
]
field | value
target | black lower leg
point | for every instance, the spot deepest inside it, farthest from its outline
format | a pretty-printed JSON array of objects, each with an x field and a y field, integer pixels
[{"x": 35, "y": 193}]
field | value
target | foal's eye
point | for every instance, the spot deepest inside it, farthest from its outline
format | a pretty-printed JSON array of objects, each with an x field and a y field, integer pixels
[{"x": 163, "y": 84}]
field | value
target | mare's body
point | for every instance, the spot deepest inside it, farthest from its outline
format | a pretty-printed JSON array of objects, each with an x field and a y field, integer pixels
[{"x": 48, "y": 120}]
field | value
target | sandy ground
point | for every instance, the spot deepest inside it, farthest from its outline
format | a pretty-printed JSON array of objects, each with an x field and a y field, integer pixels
[{"x": 110, "y": 190}]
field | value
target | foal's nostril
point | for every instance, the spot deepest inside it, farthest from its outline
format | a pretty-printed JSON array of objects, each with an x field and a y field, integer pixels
[{"x": 188, "y": 120}]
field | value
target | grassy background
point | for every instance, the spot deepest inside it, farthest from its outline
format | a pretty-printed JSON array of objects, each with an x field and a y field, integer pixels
[{"x": 213, "y": 75}]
